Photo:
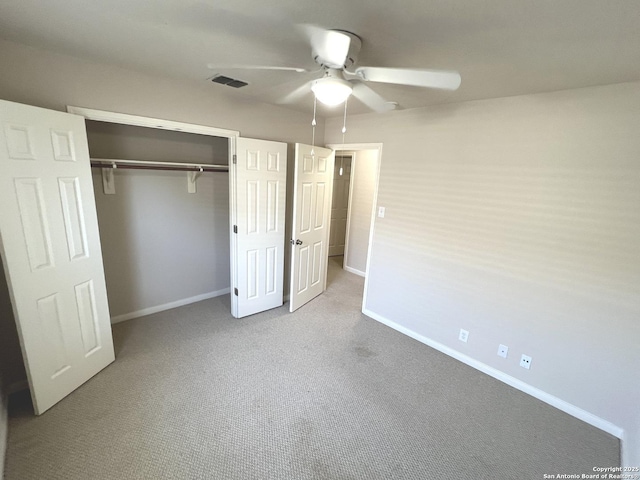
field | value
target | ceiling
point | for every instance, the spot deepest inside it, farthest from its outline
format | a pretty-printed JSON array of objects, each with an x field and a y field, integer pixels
[{"x": 500, "y": 47}]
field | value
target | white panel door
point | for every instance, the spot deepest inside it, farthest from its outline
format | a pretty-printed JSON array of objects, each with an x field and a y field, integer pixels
[
  {"x": 51, "y": 250},
  {"x": 339, "y": 205},
  {"x": 313, "y": 182},
  {"x": 258, "y": 214}
]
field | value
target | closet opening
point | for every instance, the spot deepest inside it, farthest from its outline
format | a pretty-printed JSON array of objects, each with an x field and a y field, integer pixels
[{"x": 163, "y": 215}]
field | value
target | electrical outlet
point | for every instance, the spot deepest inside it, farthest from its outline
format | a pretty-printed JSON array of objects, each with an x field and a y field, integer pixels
[
  {"x": 525, "y": 361},
  {"x": 503, "y": 350},
  {"x": 463, "y": 336},
  {"x": 381, "y": 212}
]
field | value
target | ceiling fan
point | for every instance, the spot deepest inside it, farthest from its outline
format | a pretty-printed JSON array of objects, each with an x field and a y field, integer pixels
[{"x": 336, "y": 52}]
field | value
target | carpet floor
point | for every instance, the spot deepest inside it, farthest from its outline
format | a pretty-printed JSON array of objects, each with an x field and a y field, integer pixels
[{"x": 323, "y": 393}]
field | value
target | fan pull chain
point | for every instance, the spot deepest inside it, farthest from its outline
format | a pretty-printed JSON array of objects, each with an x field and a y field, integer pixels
[
  {"x": 313, "y": 126},
  {"x": 344, "y": 130},
  {"x": 344, "y": 122}
]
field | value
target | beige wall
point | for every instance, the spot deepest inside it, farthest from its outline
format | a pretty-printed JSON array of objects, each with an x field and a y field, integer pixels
[
  {"x": 518, "y": 219},
  {"x": 45, "y": 79}
]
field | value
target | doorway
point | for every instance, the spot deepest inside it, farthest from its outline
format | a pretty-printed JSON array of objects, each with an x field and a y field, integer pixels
[
  {"x": 340, "y": 206},
  {"x": 357, "y": 187}
]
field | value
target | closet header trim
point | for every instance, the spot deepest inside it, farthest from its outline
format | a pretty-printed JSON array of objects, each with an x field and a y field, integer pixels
[{"x": 127, "y": 119}]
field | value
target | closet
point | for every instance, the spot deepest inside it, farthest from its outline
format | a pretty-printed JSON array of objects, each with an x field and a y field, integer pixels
[{"x": 164, "y": 229}]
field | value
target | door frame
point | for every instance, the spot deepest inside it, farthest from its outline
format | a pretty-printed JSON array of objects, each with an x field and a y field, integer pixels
[{"x": 354, "y": 148}]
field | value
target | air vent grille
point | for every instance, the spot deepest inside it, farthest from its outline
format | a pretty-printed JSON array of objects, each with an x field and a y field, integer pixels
[{"x": 230, "y": 82}]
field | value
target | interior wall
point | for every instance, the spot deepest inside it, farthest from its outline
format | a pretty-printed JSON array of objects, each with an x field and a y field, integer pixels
[
  {"x": 160, "y": 244},
  {"x": 3, "y": 428},
  {"x": 364, "y": 172},
  {"x": 12, "y": 368},
  {"x": 517, "y": 219},
  {"x": 50, "y": 80}
]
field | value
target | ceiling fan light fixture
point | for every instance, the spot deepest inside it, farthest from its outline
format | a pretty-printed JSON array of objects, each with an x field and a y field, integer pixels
[{"x": 331, "y": 91}]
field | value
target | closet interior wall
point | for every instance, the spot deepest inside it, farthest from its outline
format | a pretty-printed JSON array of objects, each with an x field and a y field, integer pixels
[{"x": 161, "y": 246}]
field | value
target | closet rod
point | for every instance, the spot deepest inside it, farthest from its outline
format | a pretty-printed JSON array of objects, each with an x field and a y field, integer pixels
[{"x": 146, "y": 165}]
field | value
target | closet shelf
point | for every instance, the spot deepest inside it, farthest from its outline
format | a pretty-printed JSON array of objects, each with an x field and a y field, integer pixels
[
  {"x": 147, "y": 165},
  {"x": 108, "y": 165}
]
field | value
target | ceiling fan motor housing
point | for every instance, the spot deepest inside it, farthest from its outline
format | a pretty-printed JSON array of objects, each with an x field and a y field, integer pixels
[{"x": 352, "y": 56}]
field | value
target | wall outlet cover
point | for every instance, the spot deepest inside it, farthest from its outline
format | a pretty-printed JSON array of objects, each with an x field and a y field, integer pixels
[
  {"x": 525, "y": 361},
  {"x": 503, "y": 350},
  {"x": 463, "y": 336}
]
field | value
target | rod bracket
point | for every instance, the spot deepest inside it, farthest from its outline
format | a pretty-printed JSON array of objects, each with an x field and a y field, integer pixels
[
  {"x": 108, "y": 180},
  {"x": 192, "y": 176}
]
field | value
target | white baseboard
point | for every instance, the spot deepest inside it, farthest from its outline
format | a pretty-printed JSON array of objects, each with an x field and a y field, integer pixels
[
  {"x": 168, "y": 306},
  {"x": 353, "y": 270},
  {"x": 566, "y": 407}
]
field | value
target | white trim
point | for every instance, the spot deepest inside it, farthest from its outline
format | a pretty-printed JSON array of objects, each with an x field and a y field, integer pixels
[
  {"x": 560, "y": 404},
  {"x": 168, "y": 306},
  {"x": 138, "y": 121},
  {"x": 353, "y": 270},
  {"x": 233, "y": 218}
]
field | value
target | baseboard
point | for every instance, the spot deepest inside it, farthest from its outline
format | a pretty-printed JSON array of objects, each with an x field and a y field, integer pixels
[
  {"x": 353, "y": 270},
  {"x": 168, "y": 306},
  {"x": 560, "y": 404}
]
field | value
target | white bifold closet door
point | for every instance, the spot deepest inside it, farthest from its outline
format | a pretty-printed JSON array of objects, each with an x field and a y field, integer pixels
[
  {"x": 313, "y": 185},
  {"x": 51, "y": 250},
  {"x": 258, "y": 201}
]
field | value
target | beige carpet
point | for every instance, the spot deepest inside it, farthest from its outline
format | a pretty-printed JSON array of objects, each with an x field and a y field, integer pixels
[{"x": 324, "y": 393}]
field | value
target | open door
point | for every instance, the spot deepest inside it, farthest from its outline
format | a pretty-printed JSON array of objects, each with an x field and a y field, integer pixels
[
  {"x": 51, "y": 250},
  {"x": 258, "y": 201},
  {"x": 313, "y": 182}
]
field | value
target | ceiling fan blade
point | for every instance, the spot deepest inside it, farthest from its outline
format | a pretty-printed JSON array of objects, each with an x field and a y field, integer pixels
[
  {"x": 215, "y": 66},
  {"x": 331, "y": 46},
  {"x": 447, "y": 80},
  {"x": 298, "y": 94},
  {"x": 371, "y": 99}
]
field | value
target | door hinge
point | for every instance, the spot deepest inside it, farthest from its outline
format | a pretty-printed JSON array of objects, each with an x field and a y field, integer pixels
[
  {"x": 235, "y": 292},
  {"x": 235, "y": 229},
  {"x": 235, "y": 159}
]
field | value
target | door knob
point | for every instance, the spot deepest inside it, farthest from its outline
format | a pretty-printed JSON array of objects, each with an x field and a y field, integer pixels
[{"x": 298, "y": 242}]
